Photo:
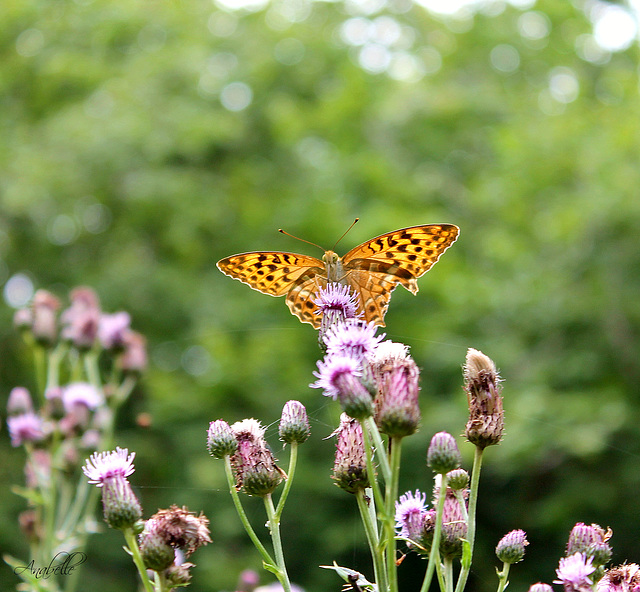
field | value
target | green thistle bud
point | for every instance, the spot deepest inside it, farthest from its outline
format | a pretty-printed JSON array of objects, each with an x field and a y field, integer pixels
[
  {"x": 510, "y": 549},
  {"x": 121, "y": 507},
  {"x": 156, "y": 552},
  {"x": 294, "y": 423},
  {"x": 221, "y": 440},
  {"x": 443, "y": 454},
  {"x": 458, "y": 479}
]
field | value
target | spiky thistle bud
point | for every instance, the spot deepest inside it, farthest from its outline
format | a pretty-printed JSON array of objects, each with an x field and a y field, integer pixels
[
  {"x": 454, "y": 525},
  {"x": 443, "y": 454},
  {"x": 458, "y": 479},
  {"x": 350, "y": 466},
  {"x": 482, "y": 384},
  {"x": 510, "y": 549},
  {"x": 540, "y": 587},
  {"x": 221, "y": 441},
  {"x": 396, "y": 376},
  {"x": 44, "y": 309},
  {"x": 592, "y": 541},
  {"x": 253, "y": 462},
  {"x": 294, "y": 423}
]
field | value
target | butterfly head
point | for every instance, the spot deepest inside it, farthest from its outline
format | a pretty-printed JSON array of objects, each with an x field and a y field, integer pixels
[{"x": 330, "y": 257}]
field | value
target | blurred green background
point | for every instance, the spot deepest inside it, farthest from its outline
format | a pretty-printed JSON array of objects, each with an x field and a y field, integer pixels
[{"x": 142, "y": 141}]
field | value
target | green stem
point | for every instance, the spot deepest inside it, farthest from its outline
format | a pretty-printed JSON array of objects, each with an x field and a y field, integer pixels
[
  {"x": 503, "y": 577},
  {"x": 448, "y": 574},
  {"x": 274, "y": 527},
  {"x": 391, "y": 494},
  {"x": 243, "y": 516},
  {"x": 370, "y": 529},
  {"x": 371, "y": 471},
  {"x": 133, "y": 548},
  {"x": 467, "y": 554},
  {"x": 293, "y": 461},
  {"x": 379, "y": 447},
  {"x": 434, "y": 556}
]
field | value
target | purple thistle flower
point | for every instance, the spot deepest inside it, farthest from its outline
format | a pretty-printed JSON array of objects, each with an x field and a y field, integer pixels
[
  {"x": 330, "y": 369},
  {"x": 81, "y": 393},
  {"x": 352, "y": 338},
  {"x": 337, "y": 297},
  {"x": 573, "y": 573},
  {"x": 80, "y": 321},
  {"x": 27, "y": 427},
  {"x": 102, "y": 466},
  {"x": 112, "y": 329},
  {"x": 411, "y": 512}
]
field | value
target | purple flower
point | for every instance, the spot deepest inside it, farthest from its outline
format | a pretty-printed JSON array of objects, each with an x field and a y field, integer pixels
[
  {"x": 102, "y": 466},
  {"x": 134, "y": 358},
  {"x": 573, "y": 573},
  {"x": 352, "y": 338},
  {"x": 80, "y": 321},
  {"x": 112, "y": 329},
  {"x": 19, "y": 401},
  {"x": 350, "y": 467},
  {"x": 330, "y": 369},
  {"x": 26, "y": 427},
  {"x": 81, "y": 393},
  {"x": 411, "y": 511},
  {"x": 337, "y": 297}
]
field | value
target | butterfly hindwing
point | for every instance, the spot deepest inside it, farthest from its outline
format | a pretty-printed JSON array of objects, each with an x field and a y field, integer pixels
[{"x": 270, "y": 272}]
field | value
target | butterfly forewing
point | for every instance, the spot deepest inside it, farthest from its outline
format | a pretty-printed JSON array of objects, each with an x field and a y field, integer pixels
[
  {"x": 273, "y": 273},
  {"x": 372, "y": 270}
]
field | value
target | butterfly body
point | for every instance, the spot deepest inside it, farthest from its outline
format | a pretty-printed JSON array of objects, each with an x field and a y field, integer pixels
[{"x": 371, "y": 270}]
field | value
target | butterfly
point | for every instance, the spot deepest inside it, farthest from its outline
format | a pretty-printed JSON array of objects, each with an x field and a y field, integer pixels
[{"x": 371, "y": 270}]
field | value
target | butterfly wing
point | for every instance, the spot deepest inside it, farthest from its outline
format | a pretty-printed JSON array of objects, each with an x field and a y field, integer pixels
[
  {"x": 276, "y": 273},
  {"x": 374, "y": 268}
]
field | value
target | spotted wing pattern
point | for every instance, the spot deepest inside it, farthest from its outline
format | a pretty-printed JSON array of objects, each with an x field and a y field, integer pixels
[{"x": 374, "y": 268}]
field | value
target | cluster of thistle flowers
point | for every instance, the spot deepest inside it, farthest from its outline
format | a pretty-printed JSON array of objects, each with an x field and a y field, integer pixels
[
  {"x": 86, "y": 365},
  {"x": 164, "y": 542}
]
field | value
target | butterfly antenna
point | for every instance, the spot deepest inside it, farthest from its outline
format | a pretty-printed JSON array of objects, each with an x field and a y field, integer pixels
[
  {"x": 300, "y": 239},
  {"x": 345, "y": 233}
]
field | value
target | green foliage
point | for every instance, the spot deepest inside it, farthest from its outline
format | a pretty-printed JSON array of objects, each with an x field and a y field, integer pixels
[{"x": 122, "y": 169}]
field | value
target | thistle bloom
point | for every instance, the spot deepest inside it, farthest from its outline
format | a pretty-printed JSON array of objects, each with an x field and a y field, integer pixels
[
  {"x": 350, "y": 466},
  {"x": 332, "y": 367},
  {"x": 81, "y": 393},
  {"x": 253, "y": 462},
  {"x": 81, "y": 320},
  {"x": 109, "y": 470},
  {"x": 411, "y": 513},
  {"x": 486, "y": 415},
  {"x": 26, "y": 427},
  {"x": 510, "y": 549},
  {"x": 44, "y": 309},
  {"x": 112, "y": 329},
  {"x": 294, "y": 423},
  {"x": 336, "y": 304},
  {"x": 353, "y": 338},
  {"x": 573, "y": 573}
]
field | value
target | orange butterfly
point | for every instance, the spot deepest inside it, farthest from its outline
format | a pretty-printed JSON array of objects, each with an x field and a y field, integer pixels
[{"x": 372, "y": 270}]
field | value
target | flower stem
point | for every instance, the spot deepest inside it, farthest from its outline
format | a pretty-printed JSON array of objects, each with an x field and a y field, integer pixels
[
  {"x": 388, "y": 527},
  {"x": 132, "y": 545},
  {"x": 365, "y": 505},
  {"x": 434, "y": 556},
  {"x": 503, "y": 577},
  {"x": 379, "y": 446},
  {"x": 243, "y": 516},
  {"x": 293, "y": 460},
  {"x": 274, "y": 527},
  {"x": 467, "y": 554}
]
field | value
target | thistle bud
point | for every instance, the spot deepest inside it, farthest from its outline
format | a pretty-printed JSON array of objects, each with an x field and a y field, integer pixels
[
  {"x": 253, "y": 463},
  {"x": 396, "y": 375},
  {"x": 19, "y": 401},
  {"x": 350, "y": 466},
  {"x": 482, "y": 384},
  {"x": 221, "y": 441},
  {"x": 156, "y": 552},
  {"x": 454, "y": 526},
  {"x": 443, "y": 454},
  {"x": 458, "y": 479},
  {"x": 540, "y": 587},
  {"x": 81, "y": 320},
  {"x": 591, "y": 541},
  {"x": 510, "y": 549},
  {"x": 294, "y": 423},
  {"x": 44, "y": 309}
]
